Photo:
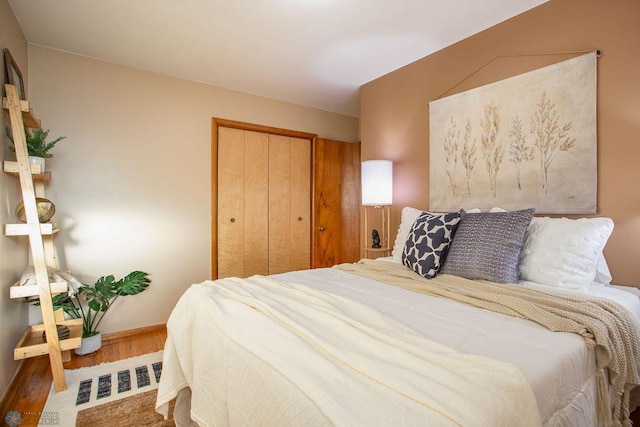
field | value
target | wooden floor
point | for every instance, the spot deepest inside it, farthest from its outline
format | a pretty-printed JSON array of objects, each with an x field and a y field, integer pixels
[
  {"x": 32, "y": 387},
  {"x": 29, "y": 393}
]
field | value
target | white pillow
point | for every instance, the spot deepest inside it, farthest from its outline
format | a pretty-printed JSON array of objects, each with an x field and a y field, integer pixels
[
  {"x": 409, "y": 216},
  {"x": 564, "y": 252},
  {"x": 603, "y": 274}
]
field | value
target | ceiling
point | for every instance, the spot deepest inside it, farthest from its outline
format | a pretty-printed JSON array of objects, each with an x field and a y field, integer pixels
[{"x": 309, "y": 52}]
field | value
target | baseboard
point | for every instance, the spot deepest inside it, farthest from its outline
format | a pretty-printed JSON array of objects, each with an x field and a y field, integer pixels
[
  {"x": 10, "y": 392},
  {"x": 131, "y": 332}
]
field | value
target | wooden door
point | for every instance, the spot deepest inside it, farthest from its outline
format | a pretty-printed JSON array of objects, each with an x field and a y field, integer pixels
[
  {"x": 336, "y": 203},
  {"x": 243, "y": 200},
  {"x": 289, "y": 204}
]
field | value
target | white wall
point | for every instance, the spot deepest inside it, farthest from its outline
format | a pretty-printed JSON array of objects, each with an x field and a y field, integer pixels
[
  {"x": 131, "y": 182},
  {"x": 13, "y": 251}
]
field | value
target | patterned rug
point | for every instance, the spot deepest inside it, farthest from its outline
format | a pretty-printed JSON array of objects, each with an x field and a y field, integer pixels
[{"x": 98, "y": 385}]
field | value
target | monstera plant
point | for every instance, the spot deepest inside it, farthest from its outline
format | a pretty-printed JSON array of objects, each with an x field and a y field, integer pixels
[{"x": 91, "y": 302}]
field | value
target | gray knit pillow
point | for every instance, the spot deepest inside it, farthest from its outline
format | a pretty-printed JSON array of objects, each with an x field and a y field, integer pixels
[{"x": 487, "y": 246}]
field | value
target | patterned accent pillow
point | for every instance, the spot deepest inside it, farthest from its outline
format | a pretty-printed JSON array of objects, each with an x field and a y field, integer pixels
[
  {"x": 428, "y": 242},
  {"x": 487, "y": 246}
]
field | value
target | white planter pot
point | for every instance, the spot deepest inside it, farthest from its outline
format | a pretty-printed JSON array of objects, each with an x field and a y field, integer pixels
[
  {"x": 89, "y": 345},
  {"x": 38, "y": 161}
]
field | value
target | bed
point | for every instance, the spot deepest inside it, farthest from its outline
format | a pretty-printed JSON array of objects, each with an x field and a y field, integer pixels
[{"x": 378, "y": 343}]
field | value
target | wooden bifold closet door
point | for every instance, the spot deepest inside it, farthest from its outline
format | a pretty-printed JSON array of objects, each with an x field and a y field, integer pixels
[{"x": 263, "y": 203}]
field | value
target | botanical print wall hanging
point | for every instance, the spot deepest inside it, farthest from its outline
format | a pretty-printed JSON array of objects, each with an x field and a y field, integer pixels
[{"x": 527, "y": 141}]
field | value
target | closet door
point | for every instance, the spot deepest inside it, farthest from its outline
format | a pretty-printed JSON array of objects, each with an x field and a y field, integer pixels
[
  {"x": 263, "y": 203},
  {"x": 243, "y": 203},
  {"x": 289, "y": 204}
]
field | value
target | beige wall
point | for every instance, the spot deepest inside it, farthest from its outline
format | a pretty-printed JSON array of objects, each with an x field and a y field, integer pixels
[
  {"x": 131, "y": 182},
  {"x": 395, "y": 119},
  {"x": 13, "y": 251}
]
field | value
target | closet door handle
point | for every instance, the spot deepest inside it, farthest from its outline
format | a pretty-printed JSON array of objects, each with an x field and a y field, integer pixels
[
  {"x": 321, "y": 228},
  {"x": 233, "y": 220}
]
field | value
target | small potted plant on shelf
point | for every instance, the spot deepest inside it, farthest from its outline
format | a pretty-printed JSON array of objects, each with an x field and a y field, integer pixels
[
  {"x": 92, "y": 302},
  {"x": 37, "y": 145}
]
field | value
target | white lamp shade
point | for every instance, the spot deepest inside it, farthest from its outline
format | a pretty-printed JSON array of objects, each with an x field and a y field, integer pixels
[{"x": 377, "y": 182}]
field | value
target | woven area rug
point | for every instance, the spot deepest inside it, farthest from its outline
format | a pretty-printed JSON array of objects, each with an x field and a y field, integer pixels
[
  {"x": 138, "y": 410},
  {"x": 107, "y": 394}
]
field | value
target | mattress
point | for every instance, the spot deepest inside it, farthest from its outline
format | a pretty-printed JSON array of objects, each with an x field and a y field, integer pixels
[{"x": 558, "y": 366}]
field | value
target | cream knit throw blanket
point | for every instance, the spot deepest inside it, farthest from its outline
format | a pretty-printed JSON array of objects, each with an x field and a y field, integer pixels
[{"x": 604, "y": 325}]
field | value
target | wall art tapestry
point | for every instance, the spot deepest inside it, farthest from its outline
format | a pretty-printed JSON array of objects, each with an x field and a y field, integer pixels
[{"x": 526, "y": 141}]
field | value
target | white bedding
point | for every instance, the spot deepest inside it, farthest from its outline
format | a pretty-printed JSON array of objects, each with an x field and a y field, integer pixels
[
  {"x": 555, "y": 364},
  {"x": 558, "y": 366}
]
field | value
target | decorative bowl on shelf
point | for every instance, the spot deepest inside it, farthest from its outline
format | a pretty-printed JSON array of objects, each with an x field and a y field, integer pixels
[{"x": 45, "y": 208}]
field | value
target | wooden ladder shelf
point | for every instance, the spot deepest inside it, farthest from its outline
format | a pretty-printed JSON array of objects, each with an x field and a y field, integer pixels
[{"x": 32, "y": 181}]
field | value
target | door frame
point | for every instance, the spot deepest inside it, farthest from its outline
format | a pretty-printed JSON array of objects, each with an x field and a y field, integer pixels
[{"x": 219, "y": 122}]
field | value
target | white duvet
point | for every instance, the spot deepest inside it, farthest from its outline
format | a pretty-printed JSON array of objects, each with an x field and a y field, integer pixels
[{"x": 558, "y": 366}]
